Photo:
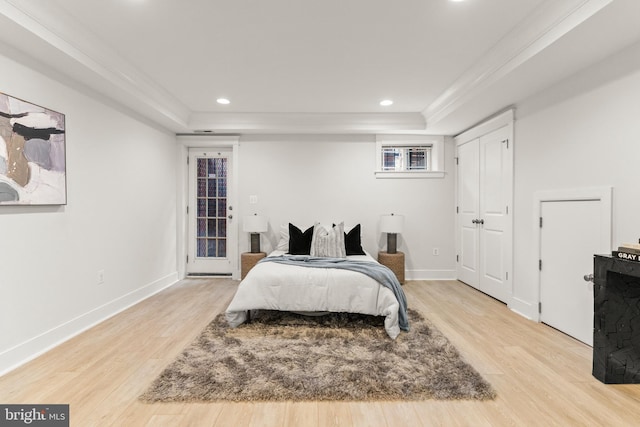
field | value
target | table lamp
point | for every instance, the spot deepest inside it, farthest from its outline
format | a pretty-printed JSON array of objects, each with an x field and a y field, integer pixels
[
  {"x": 255, "y": 225},
  {"x": 392, "y": 225}
]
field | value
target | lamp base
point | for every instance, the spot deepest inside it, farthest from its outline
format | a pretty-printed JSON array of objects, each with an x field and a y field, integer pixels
[
  {"x": 392, "y": 243},
  {"x": 255, "y": 243}
]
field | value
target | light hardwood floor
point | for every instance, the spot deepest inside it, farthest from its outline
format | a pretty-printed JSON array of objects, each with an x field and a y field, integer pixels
[{"x": 541, "y": 376}]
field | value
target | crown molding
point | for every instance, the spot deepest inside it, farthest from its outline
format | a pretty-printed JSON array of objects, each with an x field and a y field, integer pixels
[
  {"x": 505, "y": 118},
  {"x": 552, "y": 20},
  {"x": 67, "y": 37},
  {"x": 307, "y": 122}
]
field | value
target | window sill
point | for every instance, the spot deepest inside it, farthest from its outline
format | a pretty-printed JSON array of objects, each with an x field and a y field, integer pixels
[{"x": 410, "y": 175}]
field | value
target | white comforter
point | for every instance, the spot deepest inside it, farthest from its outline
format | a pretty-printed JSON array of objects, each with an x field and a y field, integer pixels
[{"x": 274, "y": 286}]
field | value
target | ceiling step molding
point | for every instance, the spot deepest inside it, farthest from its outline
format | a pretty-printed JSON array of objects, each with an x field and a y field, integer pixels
[
  {"x": 308, "y": 122},
  {"x": 119, "y": 80},
  {"x": 552, "y": 20},
  {"x": 73, "y": 49},
  {"x": 65, "y": 34}
]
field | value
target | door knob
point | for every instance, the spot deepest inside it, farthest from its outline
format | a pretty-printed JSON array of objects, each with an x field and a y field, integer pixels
[
  {"x": 230, "y": 217},
  {"x": 474, "y": 221},
  {"x": 588, "y": 277},
  {"x": 481, "y": 221}
]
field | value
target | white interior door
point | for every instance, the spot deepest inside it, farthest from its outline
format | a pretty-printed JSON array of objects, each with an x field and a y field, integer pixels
[
  {"x": 468, "y": 212},
  {"x": 212, "y": 245},
  {"x": 570, "y": 235},
  {"x": 493, "y": 198},
  {"x": 483, "y": 197}
]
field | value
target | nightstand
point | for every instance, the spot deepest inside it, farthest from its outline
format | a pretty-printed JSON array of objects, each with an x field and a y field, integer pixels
[
  {"x": 395, "y": 262},
  {"x": 248, "y": 260}
]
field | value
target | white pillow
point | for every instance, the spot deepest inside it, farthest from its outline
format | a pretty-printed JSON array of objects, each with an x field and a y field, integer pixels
[
  {"x": 328, "y": 242},
  {"x": 283, "y": 244}
]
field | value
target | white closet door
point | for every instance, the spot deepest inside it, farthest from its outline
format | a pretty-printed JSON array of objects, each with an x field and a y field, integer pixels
[
  {"x": 569, "y": 237},
  {"x": 493, "y": 213},
  {"x": 468, "y": 212},
  {"x": 483, "y": 227}
]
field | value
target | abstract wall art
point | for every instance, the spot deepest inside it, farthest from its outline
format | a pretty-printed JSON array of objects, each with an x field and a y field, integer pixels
[{"x": 32, "y": 154}]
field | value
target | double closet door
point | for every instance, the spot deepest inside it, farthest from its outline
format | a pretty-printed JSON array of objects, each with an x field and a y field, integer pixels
[{"x": 484, "y": 182}]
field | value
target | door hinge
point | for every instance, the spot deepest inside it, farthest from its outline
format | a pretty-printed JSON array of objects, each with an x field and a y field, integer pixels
[
  {"x": 187, "y": 159},
  {"x": 457, "y": 209},
  {"x": 540, "y": 264},
  {"x": 457, "y": 158},
  {"x": 187, "y": 209},
  {"x": 507, "y": 210},
  {"x": 457, "y": 258},
  {"x": 187, "y": 259},
  {"x": 506, "y": 275},
  {"x": 539, "y": 307},
  {"x": 507, "y": 142},
  {"x": 540, "y": 222}
]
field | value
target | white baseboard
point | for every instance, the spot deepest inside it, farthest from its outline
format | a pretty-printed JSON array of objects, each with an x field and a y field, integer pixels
[
  {"x": 38, "y": 345},
  {"x": 523, "y": 308},
  {"x": 430, "y": 275}
]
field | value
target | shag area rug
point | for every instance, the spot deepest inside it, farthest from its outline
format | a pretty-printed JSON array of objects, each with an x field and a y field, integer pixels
[{"x": 285, "y": 356}]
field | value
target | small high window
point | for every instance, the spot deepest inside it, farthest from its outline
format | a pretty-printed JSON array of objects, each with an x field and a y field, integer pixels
[
  {"x": 406, "y": 158},
  {"x": 409, "y": 156}
]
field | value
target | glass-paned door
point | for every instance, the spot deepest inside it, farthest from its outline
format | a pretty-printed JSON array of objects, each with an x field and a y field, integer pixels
[
  {"x": 210, "y": 242},
  {"x": 211, "y": 199}
]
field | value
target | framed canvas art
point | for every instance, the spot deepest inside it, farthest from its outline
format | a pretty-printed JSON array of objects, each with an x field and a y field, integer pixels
[{"x": 32, "y": 154}]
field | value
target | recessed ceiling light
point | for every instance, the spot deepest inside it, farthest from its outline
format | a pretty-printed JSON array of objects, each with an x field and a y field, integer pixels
[
  {"x": 386, "y": 102},
  {"x": 223, "y": 101}
]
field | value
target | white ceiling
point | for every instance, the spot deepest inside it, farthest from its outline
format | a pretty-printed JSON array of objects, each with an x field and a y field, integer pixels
[{"x": 316, "y": 66}]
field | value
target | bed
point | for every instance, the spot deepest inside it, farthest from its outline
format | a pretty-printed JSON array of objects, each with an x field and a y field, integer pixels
[{"x": 321, "y": 281}]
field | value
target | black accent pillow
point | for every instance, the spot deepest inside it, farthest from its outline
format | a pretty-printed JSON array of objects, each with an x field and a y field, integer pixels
[
  {"x": 299, "y": 241},
  {"x": 352, "y": 242}
]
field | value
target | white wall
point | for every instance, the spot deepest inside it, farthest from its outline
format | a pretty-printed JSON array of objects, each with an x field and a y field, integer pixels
[
  {"x": 585, "y": 132},
  {"x": 304, "y": 179},
  {"x": 120, "y": 218}
]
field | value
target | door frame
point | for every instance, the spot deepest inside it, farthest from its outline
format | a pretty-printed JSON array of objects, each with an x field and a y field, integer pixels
[
  {"x": 186, "y": 142},
  {"x": 603, "y": 194}
]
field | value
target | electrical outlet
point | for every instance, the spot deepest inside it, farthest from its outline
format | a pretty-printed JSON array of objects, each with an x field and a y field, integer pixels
[
  {"x": 100, "y": 277},
  {"x": 253, "y": 200},
  {"x": 436, "y": 251}
]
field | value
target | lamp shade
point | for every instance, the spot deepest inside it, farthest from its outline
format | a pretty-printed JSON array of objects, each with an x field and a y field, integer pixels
[
  {"x": 254, "y": 224},
  {"x": 391, "y": 223}
]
